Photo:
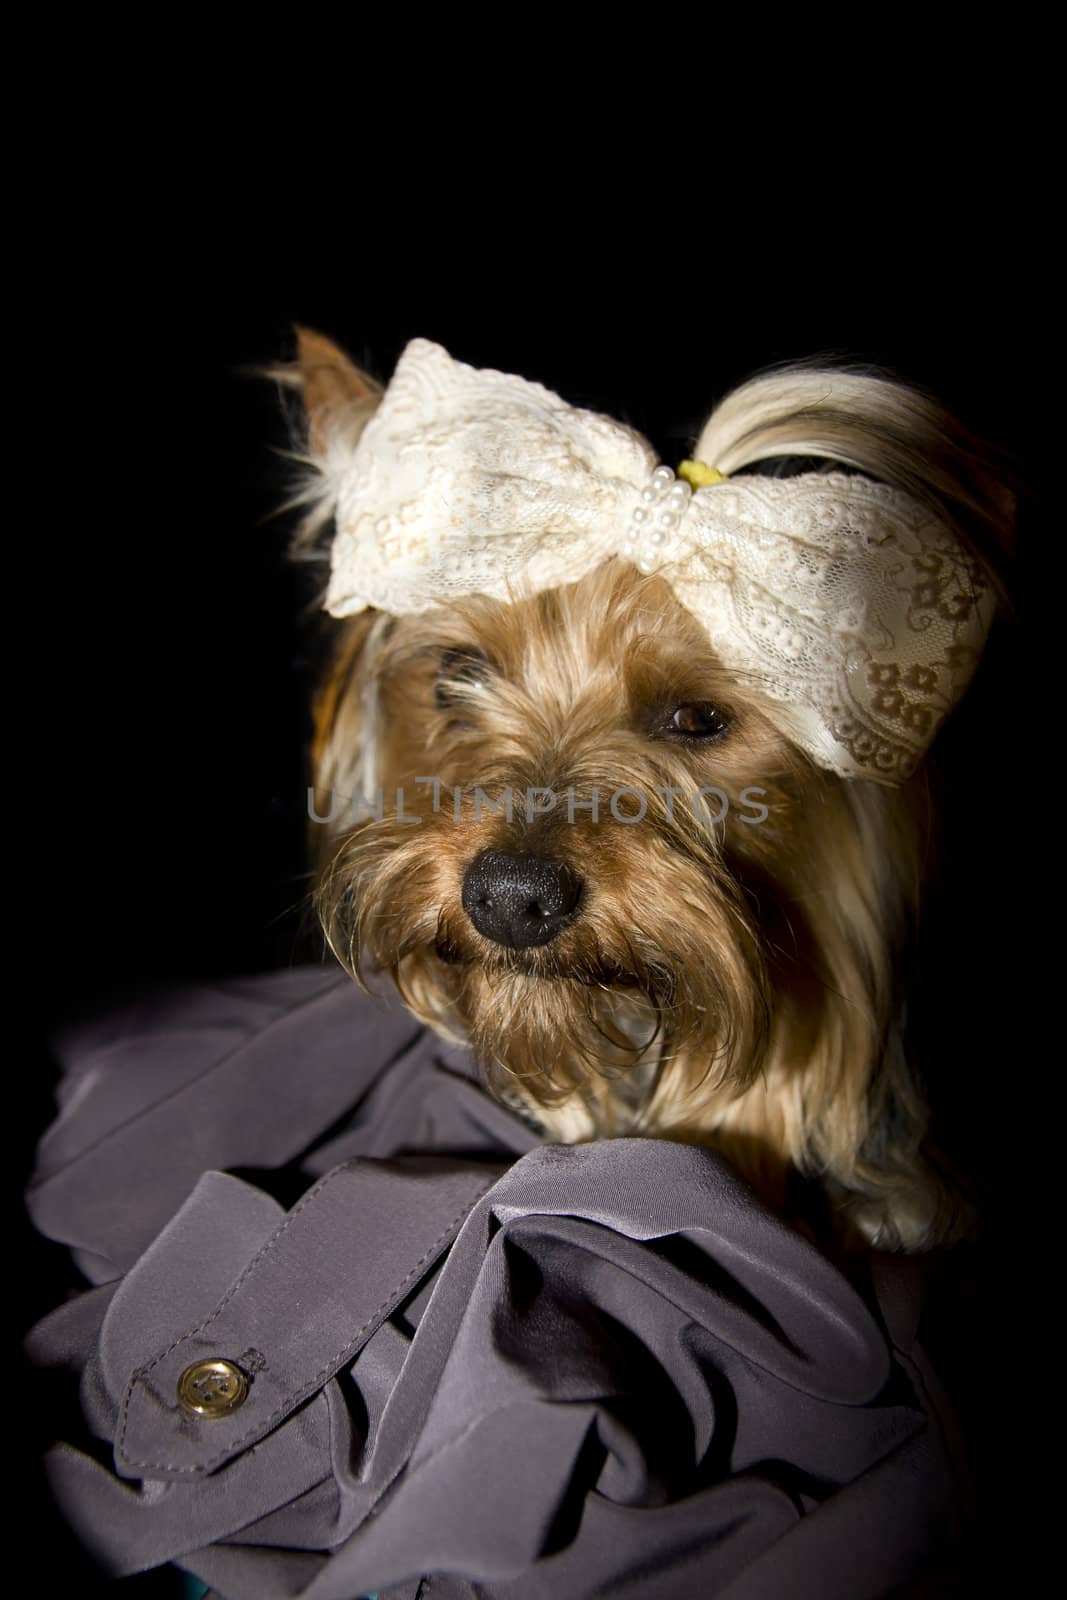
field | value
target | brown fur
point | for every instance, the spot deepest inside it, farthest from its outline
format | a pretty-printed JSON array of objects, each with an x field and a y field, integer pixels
[
  {"x": 734, "y": 984},
  {"x": 757, "y": 958}
]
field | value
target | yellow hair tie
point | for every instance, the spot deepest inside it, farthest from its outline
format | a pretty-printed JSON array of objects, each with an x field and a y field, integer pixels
[{"x": 698, "y": 474}]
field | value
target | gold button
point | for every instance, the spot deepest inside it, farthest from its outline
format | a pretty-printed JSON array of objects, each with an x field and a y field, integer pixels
[{"x": 212, "y": 1388}]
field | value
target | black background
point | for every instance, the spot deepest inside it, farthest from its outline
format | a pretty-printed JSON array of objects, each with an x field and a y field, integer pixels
[
  {"x": 176, "y": 657},
  {"x": 163, "y": 812}
]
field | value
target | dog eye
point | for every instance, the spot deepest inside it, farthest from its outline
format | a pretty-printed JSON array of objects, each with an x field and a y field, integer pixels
[
  {"x": 696, "y": 722},
  {"x": 460, "y": 668}
]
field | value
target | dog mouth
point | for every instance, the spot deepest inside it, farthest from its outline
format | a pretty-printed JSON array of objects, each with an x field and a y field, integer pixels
[{"x": 546, "y": 965}]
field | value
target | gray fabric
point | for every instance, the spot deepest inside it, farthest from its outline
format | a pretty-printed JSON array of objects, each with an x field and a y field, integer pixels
[{"x": 524, "y": 1369}]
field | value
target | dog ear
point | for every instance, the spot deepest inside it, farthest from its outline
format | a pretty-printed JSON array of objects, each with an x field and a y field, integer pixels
[
  {"x": 344, "y": 751},
  {"x": 334, "y": 389}
]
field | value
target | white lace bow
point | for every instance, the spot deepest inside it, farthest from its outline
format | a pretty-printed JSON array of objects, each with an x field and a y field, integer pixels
[{"x": 845, "y": 602}]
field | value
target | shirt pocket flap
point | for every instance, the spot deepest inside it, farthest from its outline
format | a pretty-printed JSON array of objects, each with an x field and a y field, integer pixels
[{"x": 320, "y": 1281}]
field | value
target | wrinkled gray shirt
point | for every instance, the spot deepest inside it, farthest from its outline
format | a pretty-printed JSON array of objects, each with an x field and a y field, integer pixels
[{"x": 478, "y": 1365}]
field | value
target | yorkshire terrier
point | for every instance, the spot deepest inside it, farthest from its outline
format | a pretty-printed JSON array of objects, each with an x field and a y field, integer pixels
[{"x": 639, "y": 812}]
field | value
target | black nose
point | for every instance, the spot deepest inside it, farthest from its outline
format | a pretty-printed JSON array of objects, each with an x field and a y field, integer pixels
[{"x": 519, "y": 900}]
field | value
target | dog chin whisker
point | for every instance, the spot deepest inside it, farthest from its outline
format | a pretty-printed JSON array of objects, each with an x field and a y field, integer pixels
[{"x": 616, "y": 1039}]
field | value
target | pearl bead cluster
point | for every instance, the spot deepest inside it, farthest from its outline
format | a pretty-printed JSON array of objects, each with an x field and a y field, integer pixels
[{"x": 662, "y": 506}]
